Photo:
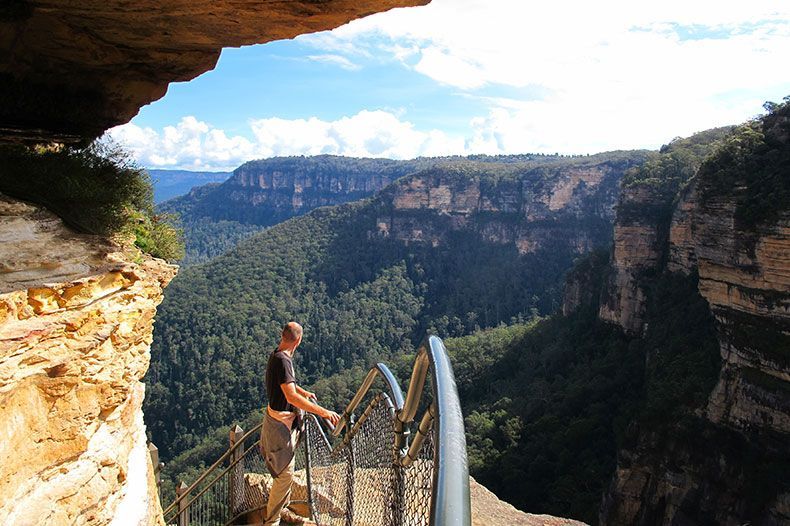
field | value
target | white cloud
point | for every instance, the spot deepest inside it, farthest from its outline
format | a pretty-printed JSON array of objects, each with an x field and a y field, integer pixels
[
  {"x": 615, "y": 73},
  {"x": 196, "y": 145},
  {"x": 335, "y": 60},
  {"x": 601, "y": 75},
  {"x": 191, "y": 144}
]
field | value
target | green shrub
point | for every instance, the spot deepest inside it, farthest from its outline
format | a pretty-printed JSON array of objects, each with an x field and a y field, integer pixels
[
  {"x": 751, "y": 168},
  {"x": 156, "y": 235},
  {"x": 96, "y": 190}
]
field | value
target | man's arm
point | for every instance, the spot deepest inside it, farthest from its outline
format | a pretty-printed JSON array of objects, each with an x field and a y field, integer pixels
[
  {"x": 304, "y": 392},
  {"x": 296, "y": 399}
]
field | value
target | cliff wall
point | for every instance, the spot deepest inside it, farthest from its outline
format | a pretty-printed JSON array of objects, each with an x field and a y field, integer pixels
[
  {"x": 76, "y": 316},
  {"x": 727, "y": 463},
  {"x": 639, "y": 244},
  {"x": 269, "y": 191},
  {"x": 533, "y": 208}
]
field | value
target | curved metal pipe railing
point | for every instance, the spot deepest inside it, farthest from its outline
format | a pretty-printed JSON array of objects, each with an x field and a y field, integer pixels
[
  {"x": 450, "y": 504},
  {"x": 378, "y": 370}
]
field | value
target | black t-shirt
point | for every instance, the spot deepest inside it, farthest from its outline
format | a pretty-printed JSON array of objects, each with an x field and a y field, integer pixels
[{"x": 279, "y": 370}]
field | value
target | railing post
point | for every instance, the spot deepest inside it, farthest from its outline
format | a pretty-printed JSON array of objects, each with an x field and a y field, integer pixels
[
  {"x": 236, "y": 490},
  {"x": 154, "y": 452},
  {"x": 399, "y": 502},
  {"x": 350, "y": 477},
  {"x": 307, "y": 461},
  {"x": 183, "y": 510}
]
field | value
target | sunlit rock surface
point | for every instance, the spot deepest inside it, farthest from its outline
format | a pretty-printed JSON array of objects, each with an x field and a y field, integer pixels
[
  {"x": 637, "y": 248},
  {"x": 488, "y": 510},
  {"x": 76, "y": 319},
  {"x": 533, "y": 209}
]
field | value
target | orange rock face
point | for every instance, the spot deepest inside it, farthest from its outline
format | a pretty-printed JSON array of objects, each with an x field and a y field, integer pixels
[
  {"x": 637, "y": 248},
  {"x": 75, "y": 69},
  {"x": 76, "y": 321},
  {"x": 529, "y": 211},
  {"x": 744, "y": 275}
]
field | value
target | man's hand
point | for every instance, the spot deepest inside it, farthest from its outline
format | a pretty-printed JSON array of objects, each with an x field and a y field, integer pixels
[
  {"x": 333, "y": 417},
  {"x": 297, "y": 399}
]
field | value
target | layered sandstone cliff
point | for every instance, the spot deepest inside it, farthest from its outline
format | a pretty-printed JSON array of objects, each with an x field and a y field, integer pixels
[
  {"x": 269, "y": 191},
  {"x": 745, "y": 277},
  {"x": 727, "y": 463},
  {"x": 74, "y": 69},
  {"x": 76, "y": 316},
  {"x": 570, "y": 205},
  {"x": 639, "y": 236}
]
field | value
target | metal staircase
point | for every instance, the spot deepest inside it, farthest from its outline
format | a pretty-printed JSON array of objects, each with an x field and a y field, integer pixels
[{"x": 380, "y": 468}]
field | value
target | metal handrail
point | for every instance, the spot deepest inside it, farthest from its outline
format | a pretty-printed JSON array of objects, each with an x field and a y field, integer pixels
[
  {"x": 450, "y": 499},
  {"x": 450, "y": 502},
  {"x": 211, "y": 469},
  {"x": 378, "y": 370}
]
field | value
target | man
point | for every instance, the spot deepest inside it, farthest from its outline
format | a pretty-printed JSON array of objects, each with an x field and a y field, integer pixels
[{"x": 280, "y": 433}]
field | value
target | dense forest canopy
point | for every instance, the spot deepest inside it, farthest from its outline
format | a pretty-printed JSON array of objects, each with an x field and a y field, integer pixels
[
  {"x": 548, "y": 399},
  {"x": 361, "y": 296}
]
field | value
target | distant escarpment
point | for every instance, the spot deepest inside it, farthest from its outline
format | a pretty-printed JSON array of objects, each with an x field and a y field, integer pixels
[
  {"x": 523, "y": 188},
  {"x": 724, "y": 459},
  {"x": 76, "y": 317},
  {"x": 269, "y": 191},
  {"x": 215, "y": 217},
  {"x": 449, "y": 249},
  {"x": 528, "y": 207}
]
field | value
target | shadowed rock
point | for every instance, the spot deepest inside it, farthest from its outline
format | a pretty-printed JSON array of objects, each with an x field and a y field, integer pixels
[{"x": 70, "y": 70}]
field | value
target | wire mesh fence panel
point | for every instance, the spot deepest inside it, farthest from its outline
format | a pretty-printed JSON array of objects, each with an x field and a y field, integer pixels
[
  {"x": 374, "y": 468},
  {"x": 359, "y": 483},
  {"x": 417, "y": 486},
  {"x": 329, "y": 480},
  {"x": 207, "y": 504}
]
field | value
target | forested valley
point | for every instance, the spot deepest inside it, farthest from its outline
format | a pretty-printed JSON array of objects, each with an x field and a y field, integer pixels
[{"x": 549, "y": 398}]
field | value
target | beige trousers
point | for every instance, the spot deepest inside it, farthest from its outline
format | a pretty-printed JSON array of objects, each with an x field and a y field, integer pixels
[{"x": 280, "y": 492}]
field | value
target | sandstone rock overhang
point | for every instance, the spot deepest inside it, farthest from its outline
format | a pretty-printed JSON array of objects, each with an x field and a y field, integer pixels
[{"x": 70, "y": 70}]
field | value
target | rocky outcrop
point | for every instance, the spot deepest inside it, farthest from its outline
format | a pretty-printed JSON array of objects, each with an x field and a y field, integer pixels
[
  {"x": 639, "y": 244},
  {"x": 488, "y": 510},
  {"x": 76, "y": 319},
  {"x": 73, "y": 69},
  {"x": 569, "y": 206},
  {"x": 727, "y": 463}
]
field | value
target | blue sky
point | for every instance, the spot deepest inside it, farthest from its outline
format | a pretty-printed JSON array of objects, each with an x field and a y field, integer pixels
[
  {"x": 279, "y": 80},
  {"x": 477, "y": 76}
]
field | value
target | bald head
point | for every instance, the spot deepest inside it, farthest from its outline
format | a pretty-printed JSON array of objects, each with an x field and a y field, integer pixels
[{"x": 292, "y": 333}]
